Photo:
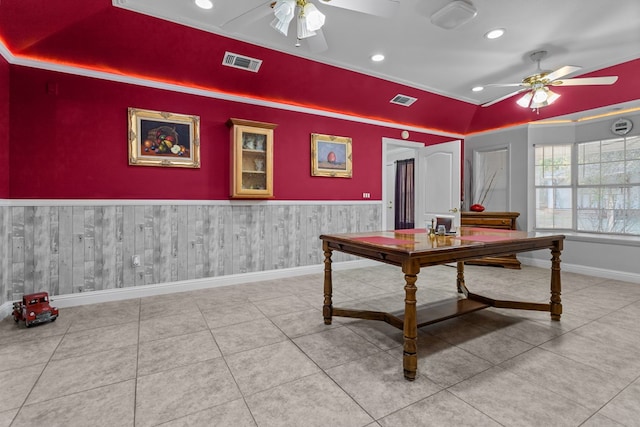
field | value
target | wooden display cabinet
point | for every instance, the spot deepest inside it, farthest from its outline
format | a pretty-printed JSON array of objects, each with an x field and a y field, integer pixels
[
  {"x": 251, "y": 159},
  {"x": 500, "y": 220}
]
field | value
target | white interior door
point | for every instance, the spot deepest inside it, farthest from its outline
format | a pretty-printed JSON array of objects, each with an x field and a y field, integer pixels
[
  {"x": 392, "y": 150},
  {"x": 438, "y": 186},
  {"x": 389, "y": 198}
]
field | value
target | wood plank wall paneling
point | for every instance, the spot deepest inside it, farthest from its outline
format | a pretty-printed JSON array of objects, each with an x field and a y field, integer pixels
[{"x": 70, "y": 249}]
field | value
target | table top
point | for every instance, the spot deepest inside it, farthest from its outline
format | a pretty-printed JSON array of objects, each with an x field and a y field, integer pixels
[{"x": 469, "y": 242}]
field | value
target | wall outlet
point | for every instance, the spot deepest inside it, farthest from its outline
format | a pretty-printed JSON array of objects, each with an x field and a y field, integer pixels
[
  {"x": 366, "y": 195},
  {"x": 135, "y": 260}
]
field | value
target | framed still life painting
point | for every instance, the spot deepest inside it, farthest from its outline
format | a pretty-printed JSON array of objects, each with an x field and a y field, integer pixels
[
  {"x": 330, "y": 156},
  {"x": 163, "y": 139}
]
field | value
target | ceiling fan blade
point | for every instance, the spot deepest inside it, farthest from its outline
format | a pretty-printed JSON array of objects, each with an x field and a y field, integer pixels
[
  {"x": 502, "y": 98},
  {"x": 561, "y": 72},
  {"x": 384, "y": 8},
  {"x": 248, "y": 17},
  {"x": 317, "y": 43},
  {"x": 609, "y": 80},
  {"x": 505, "y": 84}
]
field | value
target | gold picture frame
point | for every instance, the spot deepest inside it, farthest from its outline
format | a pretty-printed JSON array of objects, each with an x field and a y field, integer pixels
[
  {"x": 163, "y": 139},
  {"x": 331, "y": 156}
]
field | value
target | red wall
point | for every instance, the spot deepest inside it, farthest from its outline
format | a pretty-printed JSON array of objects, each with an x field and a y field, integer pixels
[
  {"x": 69, "y": 140},
  {"x": 4, "y": 128}
]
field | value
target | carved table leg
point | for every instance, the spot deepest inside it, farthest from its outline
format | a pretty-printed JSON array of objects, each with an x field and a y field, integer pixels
[
  {"x": 327, "y": 308},
  {"x": 462, "y": 288},
  {"x": 555, "y": 303},
  {"x": 410, "y": 354}
]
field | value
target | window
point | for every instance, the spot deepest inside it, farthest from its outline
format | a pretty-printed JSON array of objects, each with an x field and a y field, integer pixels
[{"x": 591, "y": 187}]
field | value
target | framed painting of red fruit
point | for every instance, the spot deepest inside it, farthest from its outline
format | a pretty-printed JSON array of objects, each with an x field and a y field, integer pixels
[
  {"x": 163, "y": 139},
  {"x": 330, "y": 156}
]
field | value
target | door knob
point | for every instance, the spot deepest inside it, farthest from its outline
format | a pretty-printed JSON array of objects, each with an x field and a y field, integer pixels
[{"x": 454, "y": 210}]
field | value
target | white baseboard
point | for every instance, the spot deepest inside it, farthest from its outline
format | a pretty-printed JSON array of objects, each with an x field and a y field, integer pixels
[
  {"x": 94, "y": 297},
  {"x": 583, "y": 269},
  {"x": 107, "y": 295}
]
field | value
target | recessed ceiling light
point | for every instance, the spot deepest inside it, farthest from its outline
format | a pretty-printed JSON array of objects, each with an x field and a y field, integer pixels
[
  {"x": 377, "y": 57},
  {"x": 477, "y": 88},
  {"x": 204, "y": 4},
  {"x": 494, "y": 34}
]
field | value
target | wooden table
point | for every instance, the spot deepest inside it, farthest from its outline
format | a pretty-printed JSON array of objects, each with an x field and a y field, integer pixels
[{"x": 413, "y": 249}]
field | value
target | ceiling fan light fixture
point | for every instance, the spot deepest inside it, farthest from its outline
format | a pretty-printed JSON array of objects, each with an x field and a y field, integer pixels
[
  {"x": 540, "y": 95},
  {"x": 525, "y": 100},
  {"x": 280, "y": 26},
  {"x": 313, "y": 17},
  {"x": 303, "y": 29},
  {"x": 553, "y": 97},
  {"x": 284, "y": 10}
]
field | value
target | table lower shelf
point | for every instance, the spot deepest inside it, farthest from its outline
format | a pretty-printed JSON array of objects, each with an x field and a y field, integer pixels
[
  {"x": 441, "y": 310},
  {"x": 426, "y": 314}
]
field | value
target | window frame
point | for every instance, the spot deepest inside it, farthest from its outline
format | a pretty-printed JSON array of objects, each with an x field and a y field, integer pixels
[{"x": 574, "y": 186}]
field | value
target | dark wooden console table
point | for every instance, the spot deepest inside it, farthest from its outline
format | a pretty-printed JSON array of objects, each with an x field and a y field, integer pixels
[
  {"x": 499, "y": 220},
  {"x": 413, "y": 249}
]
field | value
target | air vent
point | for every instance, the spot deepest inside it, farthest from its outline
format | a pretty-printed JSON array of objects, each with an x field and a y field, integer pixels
[
  {"x": 243, "y": 62},
  {"x": 403, "y": 100}
]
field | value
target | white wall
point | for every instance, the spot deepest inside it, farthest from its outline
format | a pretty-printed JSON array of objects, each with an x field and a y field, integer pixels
[{"x": 600, "y": 256}]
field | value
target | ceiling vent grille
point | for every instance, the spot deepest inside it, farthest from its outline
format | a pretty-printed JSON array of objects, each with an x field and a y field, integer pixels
[
  {"x": 403, "y": 100},
  {"x": 242, "y": 62}
]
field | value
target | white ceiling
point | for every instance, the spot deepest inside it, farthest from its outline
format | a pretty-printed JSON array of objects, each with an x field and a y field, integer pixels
[{"x": 592, "y": 34}]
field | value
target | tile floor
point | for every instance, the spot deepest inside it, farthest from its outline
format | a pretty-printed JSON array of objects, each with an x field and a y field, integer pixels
[{"x": 259, "y": 354}]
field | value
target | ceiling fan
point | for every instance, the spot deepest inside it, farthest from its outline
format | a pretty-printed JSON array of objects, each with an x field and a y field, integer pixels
[
  {"x": 538, "y": 94},
  {"x": 309, "y": 19}
]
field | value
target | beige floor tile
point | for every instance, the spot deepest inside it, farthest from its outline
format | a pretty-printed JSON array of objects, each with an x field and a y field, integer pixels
[
  {"x": 444, "y": 363},
  {"x": 6, "y": 417},
  {"x": 17, "y": 384},
  {"x": 96, "y": 340},
  {"x": 609, "y": 357},
  {"x": 232, "y": 414},
  {"x": 302, "y": 323},
  {"x": 335, "y": 347},
  {"x": 513, "y": 401},
  {"x": 581, "y": 383},
  {"x": 381, "y": 334},
  {"x": 284, "y": 305},
  {"x": 625, "y": 407},
  {"x": 247, "y": 335},
  {"x": 378, "y": 385},
  {"x": 231, "y": 315},
  {"x": 266, "y": 367},
  {"x": 441, "y": 409},
  {"x": 27, "y": 351},
  {"x": 599, "y": 420},
  {"x": 310, "y": 401},
  {"x": 154, "y": 360},
  {"x": 105, "y": 314},
  {"x": 168, "y": 395},
  {"x": 107, "y": 406},
  {"x": 170, "y": 326},
  {"x": 493, "y": 346},
  {"x": 11, "y": 332},
  {"x": 172, "y": 352},
  {"x": 81, "y": 373}
]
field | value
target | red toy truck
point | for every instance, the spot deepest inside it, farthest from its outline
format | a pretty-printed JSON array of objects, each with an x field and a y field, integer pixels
[{"x": 34, "y": 309}]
